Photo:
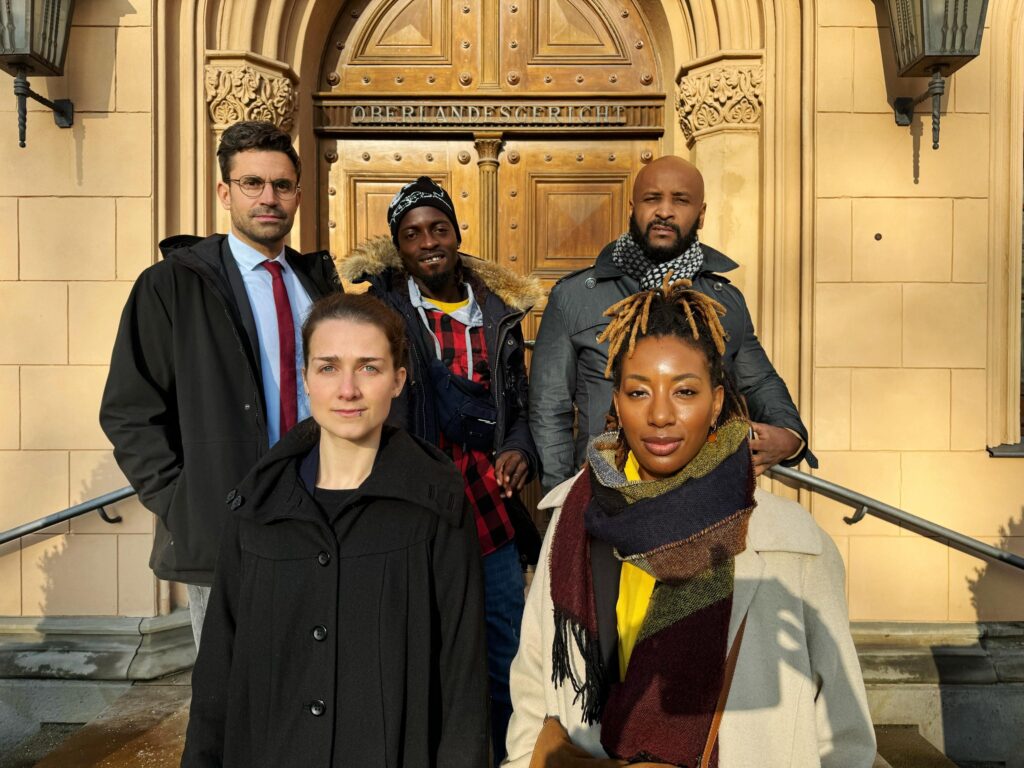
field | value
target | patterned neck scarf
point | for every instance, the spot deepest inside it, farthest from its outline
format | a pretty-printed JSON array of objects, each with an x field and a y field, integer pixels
[
  {"x": 685, "y": 531},
  {"x": 628, "y": 256}
]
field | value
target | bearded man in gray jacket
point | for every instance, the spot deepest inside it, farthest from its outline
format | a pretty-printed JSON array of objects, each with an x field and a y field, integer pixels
[{"x": 567, "y": 378}]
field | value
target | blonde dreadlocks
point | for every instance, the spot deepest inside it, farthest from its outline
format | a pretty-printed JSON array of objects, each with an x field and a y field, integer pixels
[
  {"x": 675, "y": 309},
  {"x": 631, "y": 316}
]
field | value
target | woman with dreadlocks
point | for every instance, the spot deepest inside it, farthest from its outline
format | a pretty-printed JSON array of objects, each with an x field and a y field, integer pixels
[{"x": 686, "y": 618}]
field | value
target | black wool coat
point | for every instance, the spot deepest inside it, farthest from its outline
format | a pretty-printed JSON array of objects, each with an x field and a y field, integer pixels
[
  {"x": 183, "y": 404},
  {"x": 357, "y": 644}
]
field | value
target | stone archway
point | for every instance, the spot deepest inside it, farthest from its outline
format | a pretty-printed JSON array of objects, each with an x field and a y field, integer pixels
[{"x": 218, "y": 59}]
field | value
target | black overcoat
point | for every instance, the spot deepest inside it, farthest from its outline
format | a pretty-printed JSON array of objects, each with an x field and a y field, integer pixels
[
  {"x": 183, "y": 404},
  {"x": 357, "y": 644}
]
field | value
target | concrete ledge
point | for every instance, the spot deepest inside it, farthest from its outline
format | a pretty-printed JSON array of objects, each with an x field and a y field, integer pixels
[
  {"x": 950, "y": 654},
  {"x": 96, "y": 648}
]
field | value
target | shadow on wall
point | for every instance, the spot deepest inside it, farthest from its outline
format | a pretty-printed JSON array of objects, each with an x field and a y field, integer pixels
[
  {"x": 980, "y": 686},
  {"x": 74, "y": 571},
  {"x": 997, "y": 590}
]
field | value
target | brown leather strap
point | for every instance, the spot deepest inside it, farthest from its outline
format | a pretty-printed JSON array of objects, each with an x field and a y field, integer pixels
[{"x": 716, "y": 721}]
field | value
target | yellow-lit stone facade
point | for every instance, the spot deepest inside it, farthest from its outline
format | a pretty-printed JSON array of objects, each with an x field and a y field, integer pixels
[{"x": 884, "y": 276}]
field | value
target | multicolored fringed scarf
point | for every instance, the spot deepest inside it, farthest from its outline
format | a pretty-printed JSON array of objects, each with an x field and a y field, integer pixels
[
  {"x": 685, "y": 531},
  {"x": 628, "y": 256}
]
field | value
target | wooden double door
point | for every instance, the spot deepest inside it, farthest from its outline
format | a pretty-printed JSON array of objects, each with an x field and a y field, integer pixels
[{"x": 547, "y": 208}]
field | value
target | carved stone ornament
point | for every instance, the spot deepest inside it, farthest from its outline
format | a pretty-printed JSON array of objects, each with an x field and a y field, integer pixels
[
  {"x": 723, "y": 96},
  {"x": 245, "y": 93}
]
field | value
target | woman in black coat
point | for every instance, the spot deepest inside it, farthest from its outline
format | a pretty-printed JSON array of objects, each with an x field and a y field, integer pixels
[{"x": 345, "y": 626}]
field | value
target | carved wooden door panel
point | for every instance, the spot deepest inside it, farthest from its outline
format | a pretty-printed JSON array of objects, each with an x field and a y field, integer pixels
[
  {"x": 561, "y": 202},
  {"x": 369, "y": 172}
]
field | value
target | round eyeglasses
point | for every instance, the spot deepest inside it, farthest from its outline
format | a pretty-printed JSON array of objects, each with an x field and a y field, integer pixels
[{"x": 252, "y": 186}]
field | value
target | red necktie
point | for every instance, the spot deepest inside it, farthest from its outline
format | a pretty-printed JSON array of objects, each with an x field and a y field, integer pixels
[{"x": 286, "y": 348}]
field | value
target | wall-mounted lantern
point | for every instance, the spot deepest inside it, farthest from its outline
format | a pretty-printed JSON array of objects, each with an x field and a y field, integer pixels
[
  {"x": 933, "y": 37},
  {"x": 34, "y": 41}
]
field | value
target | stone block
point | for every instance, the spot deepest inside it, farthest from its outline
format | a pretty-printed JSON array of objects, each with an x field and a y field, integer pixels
[
  {"x": 69, "y": 575},
  {"x": 875, "y": 82},
  {"x": 868, "y": 155},
  {"x": 916, "y": 240},
  {"x": 944, "y": 326},
  {"x": 969, "y": 492},
  {"x": 830, "y": 430},
  {"x": 857, "y": 324},
  {"x": 897, "y": 578},
  {"x": 833, "y": 229},
  {"x": 88, "y": 76},
  {"x": 136, "y": 584},
  {"x": 93, "y": 473},
  {"x": 135, "y": 247},
  {"x": 10, "y": 422},
  {"x": 970, "y": 241},
  {"x": 40, "y": 313},
  {"x": 32, "y": 484},
  {"x": 982, "y": 590},
  {"x": 873, "y": 474},
  {"x": 128, "y": 13},
  {"x": 102, "y": 155},
  {"x": 894, "y": 409},
  {"x": 849, "y": 13},
  {"x": 834, "y": 70},
  {"x": 135, "y": 69},
  {"x": 8, "y": 238},
  {"x": 968, "y": 412},
  {"x": 10, "y": 578},
  {"x": 972, "y": 83},
  {"x": 60, "y": 407},
  {"x": 53, "y": 241},
  {"x": 94, "y": 310}
]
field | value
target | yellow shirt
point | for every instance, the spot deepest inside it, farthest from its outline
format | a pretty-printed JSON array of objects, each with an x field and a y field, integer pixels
[
  {"x": 635, "y": 590},
  {"x": 447, "y": 307}
]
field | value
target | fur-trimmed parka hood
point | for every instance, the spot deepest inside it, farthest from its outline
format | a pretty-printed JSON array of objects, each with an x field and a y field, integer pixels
[{"x": 375, "y": 256}]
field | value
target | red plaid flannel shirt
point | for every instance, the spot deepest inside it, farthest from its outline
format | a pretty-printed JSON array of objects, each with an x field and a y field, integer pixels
[{"x": 492, "y": 521}]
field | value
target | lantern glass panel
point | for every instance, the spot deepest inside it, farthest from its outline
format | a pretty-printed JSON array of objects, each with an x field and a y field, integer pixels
[
  {"x": 14, "y": 26},
  {"x": 49, "y": 32}
]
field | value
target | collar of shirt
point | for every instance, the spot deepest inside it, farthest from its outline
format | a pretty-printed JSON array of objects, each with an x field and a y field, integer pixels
[
  {"x": 470, "y": 315},
  {"x": 248, "y": 258}
]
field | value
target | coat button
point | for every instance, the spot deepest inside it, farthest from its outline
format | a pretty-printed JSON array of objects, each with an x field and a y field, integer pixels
[
  {"x": 231, "y": 495},
  {"x": 317, "y": 708},
  {"x": 718, "y": 286},
  {"x": 237, "y": 502},
  {"x": 320, "y": 633},
  {"x": 247, "y": 406},
  {"x": 323, "y": 558},
  {"x": 590, "y": 282}
]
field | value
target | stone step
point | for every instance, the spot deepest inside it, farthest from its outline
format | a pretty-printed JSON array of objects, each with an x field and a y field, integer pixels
[
  {"x": 903, "y": 746},
  {"x": 38, "y": 745},
  {"x": 144, "y": 728}
]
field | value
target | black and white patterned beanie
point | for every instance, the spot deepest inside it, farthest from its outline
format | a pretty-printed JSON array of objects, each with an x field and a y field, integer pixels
[{"x": 418, "y": 193}]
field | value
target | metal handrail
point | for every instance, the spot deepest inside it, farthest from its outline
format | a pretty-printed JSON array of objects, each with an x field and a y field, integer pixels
[
  {"x": 92, "y": 505},
  {"x": 865, "y": 505}
]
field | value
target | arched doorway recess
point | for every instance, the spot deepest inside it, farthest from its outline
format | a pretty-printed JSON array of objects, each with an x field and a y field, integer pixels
[{"x": 734, "y": 95}]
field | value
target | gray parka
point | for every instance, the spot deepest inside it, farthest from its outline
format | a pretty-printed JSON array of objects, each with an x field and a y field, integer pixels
[{"x": 568, "y": 363}]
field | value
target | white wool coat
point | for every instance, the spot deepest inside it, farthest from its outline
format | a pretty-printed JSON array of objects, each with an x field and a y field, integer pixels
[{"x": 797, "y": 697}]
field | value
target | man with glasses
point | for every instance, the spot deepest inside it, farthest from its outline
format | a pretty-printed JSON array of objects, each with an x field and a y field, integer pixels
[{"x": 206, "y": 369}]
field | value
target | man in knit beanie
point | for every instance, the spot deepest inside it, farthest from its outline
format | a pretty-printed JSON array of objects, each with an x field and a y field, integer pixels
[{"x": 463, "y": 317}]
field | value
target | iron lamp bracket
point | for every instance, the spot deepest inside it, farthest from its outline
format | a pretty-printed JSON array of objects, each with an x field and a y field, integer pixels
[
  {"x": 903, "y": 107},
  {"x": 63, "y": 109}
]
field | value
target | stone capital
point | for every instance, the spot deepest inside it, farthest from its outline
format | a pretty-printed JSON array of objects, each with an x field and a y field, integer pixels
[
  {"x": 244, "y": 92},
  {"x": 720, "y": 94}
]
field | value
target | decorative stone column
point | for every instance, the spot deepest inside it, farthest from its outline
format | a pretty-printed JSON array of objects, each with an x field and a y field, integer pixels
[
  {"x": 244, "y": 86},
  {"x": 720, "y": 111},
  {"x": 488, "y": 145}
]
